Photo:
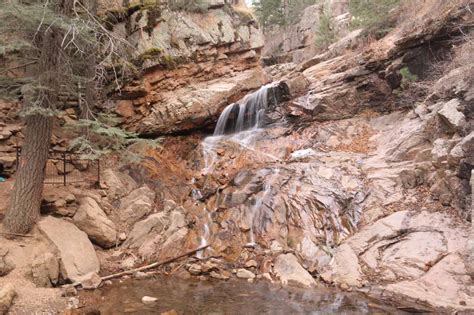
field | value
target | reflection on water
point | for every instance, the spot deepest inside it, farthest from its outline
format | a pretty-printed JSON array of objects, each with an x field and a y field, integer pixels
[{"x": 231, "y": 297}]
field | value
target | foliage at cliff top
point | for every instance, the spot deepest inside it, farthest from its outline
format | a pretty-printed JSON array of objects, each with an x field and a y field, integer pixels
[
  {"x": 371, "y": 14},
  {"x": 271, "y": 13}
]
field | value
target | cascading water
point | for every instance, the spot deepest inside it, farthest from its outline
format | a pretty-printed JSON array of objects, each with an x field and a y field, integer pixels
[
  {"x": 246, "y": 114},
  {"x": 240, "y": 122},
  {"x": 205, "y": 236},
  {"x": 267, "y": 189}
]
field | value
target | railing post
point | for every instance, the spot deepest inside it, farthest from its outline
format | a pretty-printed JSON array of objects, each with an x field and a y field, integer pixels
[{"x": 64, "y": 168}]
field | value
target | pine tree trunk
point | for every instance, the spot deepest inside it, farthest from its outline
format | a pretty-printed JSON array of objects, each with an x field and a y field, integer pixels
[
  {"x": 27, "y": 191},
  {"x": 28, "y": 188}
]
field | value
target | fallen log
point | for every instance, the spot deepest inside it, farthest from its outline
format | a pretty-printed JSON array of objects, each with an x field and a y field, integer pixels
[{"x": 153, "y": 265}]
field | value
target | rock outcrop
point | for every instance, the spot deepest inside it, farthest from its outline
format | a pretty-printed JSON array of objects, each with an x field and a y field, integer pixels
[
  {"x": 295, "y": 43},
  {"x": 162, "y": 234},
  {"x": 372, "y": 194},
  {"x": 361, "y": 177},
  {"x": 137, "y": 205},
  {"x": 194, "y": 65}
]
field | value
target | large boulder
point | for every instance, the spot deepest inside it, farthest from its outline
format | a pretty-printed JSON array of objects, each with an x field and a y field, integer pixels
[
  {"x": 77, "y": 254},
  {"x": 161, "y": 234},
  {"x": 137, "y": 205},
  {"x": 445, "y": 285},
  {"x": 7, "y": 294},
  {"x": 344, "y": 269},
  {"x": 289, "y": 270},
  {"x": 451, "y": 115},
  {"x": 117, "y": 184},
  {"x": 155, "y": 222},
  {"x": 91, "y": 219}
]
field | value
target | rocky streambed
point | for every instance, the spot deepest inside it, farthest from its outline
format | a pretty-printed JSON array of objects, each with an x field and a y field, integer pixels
[{"x": 339, "y": 177}]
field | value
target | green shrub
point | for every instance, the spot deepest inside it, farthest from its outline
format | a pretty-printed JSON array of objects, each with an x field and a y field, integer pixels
[
  {"x": 326, "y": 34},
  {"x": 407, "y": 77},
  {"x": 271, "y": 13},
  {"x": 372, "y": 15},
  {"x": 194, "y": 6},
  {"x": 151, "y": 53}
]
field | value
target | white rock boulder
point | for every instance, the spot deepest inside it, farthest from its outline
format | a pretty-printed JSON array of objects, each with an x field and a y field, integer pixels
[
  {"x": 78, "y": 257},
  {"x": 289, "y": 270},
  {"x": 450, "y": 114},
  {"x": 137, "y": 205},
  {"x": 91, "y": 219}
]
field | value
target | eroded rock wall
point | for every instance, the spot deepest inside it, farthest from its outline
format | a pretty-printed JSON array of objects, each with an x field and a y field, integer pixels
[
  {"x": 194, "y": 62},
  {"x": 297, "y": 42}
]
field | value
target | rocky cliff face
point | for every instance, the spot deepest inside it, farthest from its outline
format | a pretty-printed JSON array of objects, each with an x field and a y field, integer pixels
[
  {"x": 361, "y": 177},
  {"x": 195, "y": 61},
  {"x": 367, "y": 179},
  {"x": 297, "y": 42}
]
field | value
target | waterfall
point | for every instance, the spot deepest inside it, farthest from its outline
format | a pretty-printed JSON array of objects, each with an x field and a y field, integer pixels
[
  {"x": 247, "y": 113},
  {"x": 241, "y": 123}
]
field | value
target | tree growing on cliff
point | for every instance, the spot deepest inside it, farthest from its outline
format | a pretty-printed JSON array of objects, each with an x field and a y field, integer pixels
[
  {"x": 61, "y": 39},
  {"x": 373, "y": 15},
  {"x": 271, "y": 13},
  {"x": 326, "y": 33}
]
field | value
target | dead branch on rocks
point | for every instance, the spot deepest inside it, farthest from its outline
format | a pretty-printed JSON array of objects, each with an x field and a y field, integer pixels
[{"x": 153, "y": 265}]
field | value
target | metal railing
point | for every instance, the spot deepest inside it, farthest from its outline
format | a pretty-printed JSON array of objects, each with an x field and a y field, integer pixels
[{"x": 67, "y": 167}]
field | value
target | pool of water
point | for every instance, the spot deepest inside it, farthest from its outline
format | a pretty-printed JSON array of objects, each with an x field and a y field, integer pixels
[{"x": 231, "y": 297}]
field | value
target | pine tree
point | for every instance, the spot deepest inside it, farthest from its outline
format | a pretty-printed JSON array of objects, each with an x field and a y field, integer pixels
[
  {"x": 272, "y": 13},
  {"x": 61, "y": 39}
]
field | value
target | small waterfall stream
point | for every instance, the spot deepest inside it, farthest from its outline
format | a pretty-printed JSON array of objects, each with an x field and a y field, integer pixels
[
  {"x": 205, "y": 236},
  {"x": 247, "y": 113},
  {"x": 240, "y": 123},
  {"x": 267, "y": 189}
]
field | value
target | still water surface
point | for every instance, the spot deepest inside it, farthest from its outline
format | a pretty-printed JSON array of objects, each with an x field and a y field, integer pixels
[{"x": 231, "y": 297}]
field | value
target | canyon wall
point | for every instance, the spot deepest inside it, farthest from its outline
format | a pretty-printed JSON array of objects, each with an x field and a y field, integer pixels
[{"x": 194, "y": 62}]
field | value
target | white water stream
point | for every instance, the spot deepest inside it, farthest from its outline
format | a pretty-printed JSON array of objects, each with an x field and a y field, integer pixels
[
  {"x": 267, "y": 189},
  {"x": 239, "y": 123},
  {"x": 205, "y": 235}
]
